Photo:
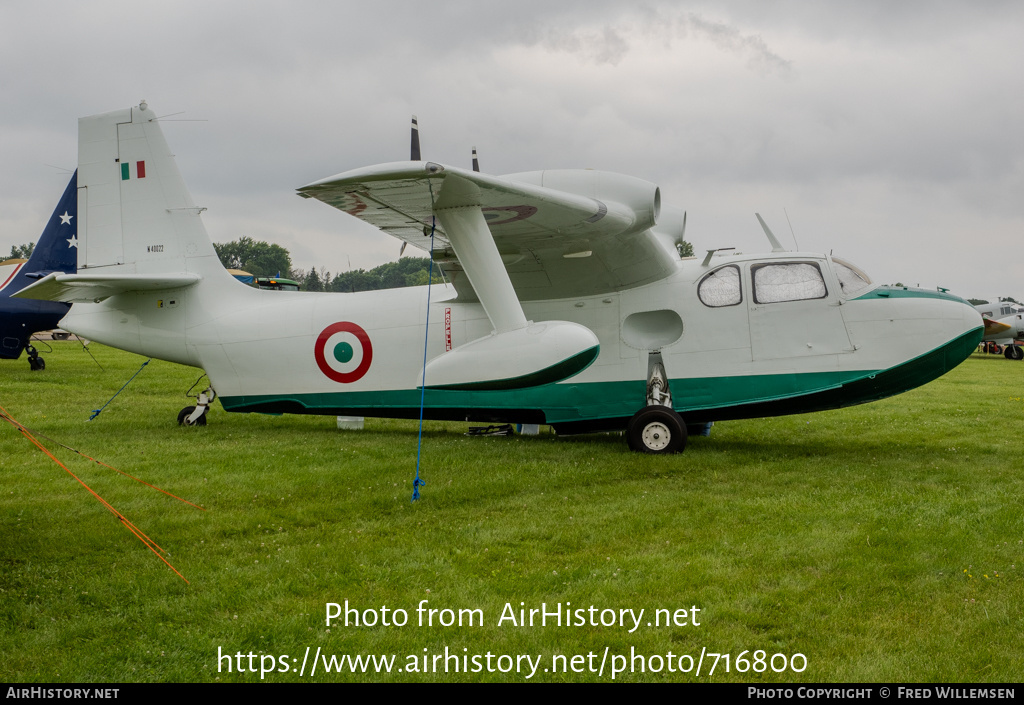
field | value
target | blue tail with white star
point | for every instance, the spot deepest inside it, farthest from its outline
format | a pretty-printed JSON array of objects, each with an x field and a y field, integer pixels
[{"x": 56, "y": 251}]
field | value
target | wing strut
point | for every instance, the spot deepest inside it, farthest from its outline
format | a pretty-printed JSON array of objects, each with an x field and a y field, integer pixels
[{"x": 458, "y": 209}]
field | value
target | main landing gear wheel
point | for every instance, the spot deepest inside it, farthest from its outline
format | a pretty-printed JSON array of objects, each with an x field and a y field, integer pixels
[
  {"x": 1013, "y": 352},
  {"x": 656, "y": 429},
  {"x": 183, "y": 417}
]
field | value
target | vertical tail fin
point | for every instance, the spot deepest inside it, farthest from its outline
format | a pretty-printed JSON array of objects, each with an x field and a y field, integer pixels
[{"x": 137, "y": 214}]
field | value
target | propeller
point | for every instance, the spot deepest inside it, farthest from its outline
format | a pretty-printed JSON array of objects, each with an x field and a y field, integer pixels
[
  {"x": 415, "y": 147},
  {"x": 476, "y": 162}
]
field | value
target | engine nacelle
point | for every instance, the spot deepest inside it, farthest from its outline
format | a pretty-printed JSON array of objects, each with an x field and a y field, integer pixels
[{"x": 641, "y": 197}]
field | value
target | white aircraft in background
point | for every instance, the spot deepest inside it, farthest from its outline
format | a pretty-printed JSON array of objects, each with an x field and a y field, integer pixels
[
  {"x": 1004, "y": 325},
  {"x": 568, "y": 304}
]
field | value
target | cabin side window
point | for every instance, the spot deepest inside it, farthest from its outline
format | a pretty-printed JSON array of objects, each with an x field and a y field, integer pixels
[
  {"x": 791, "y": 281},
  {"x": 721, "y": 287}
]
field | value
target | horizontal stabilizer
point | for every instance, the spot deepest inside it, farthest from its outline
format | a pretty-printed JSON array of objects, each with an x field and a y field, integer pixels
[{"x": 93, "y": 288}]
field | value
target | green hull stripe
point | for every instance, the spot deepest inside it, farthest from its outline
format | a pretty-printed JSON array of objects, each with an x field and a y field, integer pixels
[
  {"x": 549, "y": 375},
  {"x": 704, "y": 398}
]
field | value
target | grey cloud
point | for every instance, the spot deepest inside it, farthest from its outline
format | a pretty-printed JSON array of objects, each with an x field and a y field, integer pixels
[
  {"x": 729, "y": 38},
  {"x": 610, "y": 42},
  {"x": 881, "y": 126}
]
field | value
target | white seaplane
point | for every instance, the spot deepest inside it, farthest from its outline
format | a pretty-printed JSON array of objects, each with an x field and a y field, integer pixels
[{"x": 566, "y": 303}]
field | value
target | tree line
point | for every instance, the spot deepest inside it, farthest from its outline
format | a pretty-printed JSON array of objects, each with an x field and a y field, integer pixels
[
  {"x": 263, "y": 259},
  {"x": 22, "y": 251},
  {"x": 408, "y": 271}
]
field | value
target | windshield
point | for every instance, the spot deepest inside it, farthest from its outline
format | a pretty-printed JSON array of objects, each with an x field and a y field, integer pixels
[{"x": 852, "y": 279}]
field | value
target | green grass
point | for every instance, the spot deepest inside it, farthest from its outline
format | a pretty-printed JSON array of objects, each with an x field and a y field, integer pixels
[{"x": 884, "y": 542}]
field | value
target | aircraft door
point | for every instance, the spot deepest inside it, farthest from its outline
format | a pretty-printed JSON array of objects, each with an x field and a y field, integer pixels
[
  {"x": 723, "y": 341},
  {"x": 792, "y": 312}
]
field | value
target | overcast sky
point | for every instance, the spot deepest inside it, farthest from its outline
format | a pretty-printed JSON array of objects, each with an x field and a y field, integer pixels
[{"x": 890, "y": 132}]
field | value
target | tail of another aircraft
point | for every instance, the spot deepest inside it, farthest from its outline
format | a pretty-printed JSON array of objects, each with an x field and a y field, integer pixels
[{"x": 56, "y": 251}]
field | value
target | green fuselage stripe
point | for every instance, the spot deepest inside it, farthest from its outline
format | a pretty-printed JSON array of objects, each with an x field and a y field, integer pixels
[{"x": 610, "y": 404}]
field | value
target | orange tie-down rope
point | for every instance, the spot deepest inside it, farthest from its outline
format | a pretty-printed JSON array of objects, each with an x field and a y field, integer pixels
[{"x": 149, "y": 543}]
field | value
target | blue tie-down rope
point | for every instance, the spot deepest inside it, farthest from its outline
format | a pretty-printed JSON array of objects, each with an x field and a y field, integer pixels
[
  {"x": 96, "y": 412},
  {"x": 418, "y": 482}
]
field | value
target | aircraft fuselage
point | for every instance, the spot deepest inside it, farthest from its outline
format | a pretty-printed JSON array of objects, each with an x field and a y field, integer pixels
[{"x": 362, "y": 353}]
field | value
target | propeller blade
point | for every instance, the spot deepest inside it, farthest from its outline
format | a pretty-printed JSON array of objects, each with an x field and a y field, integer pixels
[
  {"x": 415, "y": 150},
  {"x": 402, "y": 250},
  {"x": 476, "y": 162}
]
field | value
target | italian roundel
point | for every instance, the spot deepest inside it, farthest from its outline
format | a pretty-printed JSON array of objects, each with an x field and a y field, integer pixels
[{"x": 343, "y": 352}]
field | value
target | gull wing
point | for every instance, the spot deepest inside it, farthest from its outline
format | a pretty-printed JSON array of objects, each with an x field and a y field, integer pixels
[{"x": 559, "y": 233}]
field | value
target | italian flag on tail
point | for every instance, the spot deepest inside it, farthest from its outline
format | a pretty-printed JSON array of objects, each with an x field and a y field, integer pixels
[{"x": 126, "y": 170}]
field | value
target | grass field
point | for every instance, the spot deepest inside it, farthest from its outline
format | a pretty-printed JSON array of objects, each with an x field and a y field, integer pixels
[{"x": 883, "y": 542}]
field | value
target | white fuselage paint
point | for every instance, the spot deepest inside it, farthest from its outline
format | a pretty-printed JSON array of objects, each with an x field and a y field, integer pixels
[{"x": 253, "y": 342}]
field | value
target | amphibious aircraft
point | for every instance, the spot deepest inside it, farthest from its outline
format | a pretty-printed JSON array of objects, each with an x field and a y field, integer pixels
[
  {"x": 1004, "y": 324},
  {"x": 565, "y": 303},
  {"x": 56, "y": 251}
]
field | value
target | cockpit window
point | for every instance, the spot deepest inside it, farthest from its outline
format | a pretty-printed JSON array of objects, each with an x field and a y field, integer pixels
[
  {"x": 721, "y": 287},
  {"x": 792, "y": 281},
  {"x": 851, "y": 279}
]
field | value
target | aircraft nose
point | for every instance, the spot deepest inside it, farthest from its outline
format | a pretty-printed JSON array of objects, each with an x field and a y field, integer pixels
[
  {"x": 971, "y": 320},
  {"x": 995, "y": 327}
]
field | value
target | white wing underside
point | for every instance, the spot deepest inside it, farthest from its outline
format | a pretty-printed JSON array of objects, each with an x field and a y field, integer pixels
[{"x": 555, "y": 241}]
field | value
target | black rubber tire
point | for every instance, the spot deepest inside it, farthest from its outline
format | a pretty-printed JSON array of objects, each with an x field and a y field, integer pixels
[
  {"x": 36, "y": 363},
  {"x": 1013, "y": 352},
  {"x": 656, "y": 430},
  {"x": 185, "y": 413}
]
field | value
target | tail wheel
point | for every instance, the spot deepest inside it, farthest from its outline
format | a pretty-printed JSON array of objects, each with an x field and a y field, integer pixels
[
  {"x": 656, "y": 430},
  {"x": 185, "y": 413}
]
